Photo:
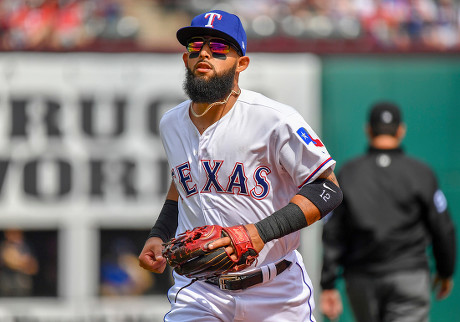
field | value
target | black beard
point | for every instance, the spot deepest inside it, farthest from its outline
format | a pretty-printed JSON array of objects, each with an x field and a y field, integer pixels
[{"x": 213, "y": 90}]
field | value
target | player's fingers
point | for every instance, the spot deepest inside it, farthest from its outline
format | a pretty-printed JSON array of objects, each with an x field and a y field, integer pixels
[
  {"x": 231, "y": 252},
  {"x": 443, "y": 287},
  {"x": 224, "y": 242},
  {"x": 149, "y": 257},
  {"x": 444, "y": 290},
  {"x": 159, "y": 267},
  {"x": 151, "y": 263},
  {"x": 159, "y": 255},
  {"x": 145, "y": 261},
  {"x": 328, "y": 309},
  {"x": 220, "y": 243},
  {"x": 331, "y": 304}
]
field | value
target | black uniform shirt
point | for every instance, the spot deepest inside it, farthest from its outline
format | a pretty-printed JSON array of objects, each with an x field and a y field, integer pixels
[{"x": 392, "y": 210}]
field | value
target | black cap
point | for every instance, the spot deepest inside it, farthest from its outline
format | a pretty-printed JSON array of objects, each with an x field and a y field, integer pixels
[{"x": 384, "y": 118}]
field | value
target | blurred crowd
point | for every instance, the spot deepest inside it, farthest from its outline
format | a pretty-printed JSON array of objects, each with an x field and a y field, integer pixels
[
  {"x": 58, "y": 24},
  {"x": 67, "y": 25}
]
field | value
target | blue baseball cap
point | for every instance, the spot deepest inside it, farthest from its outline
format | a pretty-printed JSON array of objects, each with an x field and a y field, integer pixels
[{"x": 216, "y": 23}]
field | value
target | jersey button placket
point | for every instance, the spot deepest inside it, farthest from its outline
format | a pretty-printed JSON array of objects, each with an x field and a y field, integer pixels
[{"x": 202, "y": 154}]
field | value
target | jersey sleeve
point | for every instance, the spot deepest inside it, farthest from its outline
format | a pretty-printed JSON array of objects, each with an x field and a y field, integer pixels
[
  {"x": 440, "y": 226},
  {"x": 301, "y": 152}
]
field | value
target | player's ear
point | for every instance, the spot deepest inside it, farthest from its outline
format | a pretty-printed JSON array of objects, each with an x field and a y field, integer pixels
[
  {"x": 243, "y": 63},
  {"x": 185, "y": 58},
  {"x": 401, "y": 131},
  {"x": 368, "y": 131}
]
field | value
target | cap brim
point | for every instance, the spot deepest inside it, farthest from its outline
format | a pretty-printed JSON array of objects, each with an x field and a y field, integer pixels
[{"x": 186, "y": 33}]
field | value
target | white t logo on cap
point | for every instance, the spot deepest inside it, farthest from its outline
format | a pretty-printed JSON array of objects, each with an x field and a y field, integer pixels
[{"x": 212, "y": 16}]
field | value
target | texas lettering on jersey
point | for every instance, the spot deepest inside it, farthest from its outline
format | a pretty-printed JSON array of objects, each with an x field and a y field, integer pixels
[{"x": 237, "y": 182}]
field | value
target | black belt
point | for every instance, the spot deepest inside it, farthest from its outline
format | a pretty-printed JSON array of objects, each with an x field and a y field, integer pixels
[{"x": 240, "y": 282}]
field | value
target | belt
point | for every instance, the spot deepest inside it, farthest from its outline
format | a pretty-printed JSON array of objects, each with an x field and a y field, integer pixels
[{"x": 240, "y": 282}]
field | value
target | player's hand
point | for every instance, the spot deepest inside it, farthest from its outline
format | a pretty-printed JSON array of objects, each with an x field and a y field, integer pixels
[
  {"x": 151, "y": 258},
  {"x": 226, "y": 242},
  {"x": 331, "y": 304},
  {"x": 443, "y": 286}
]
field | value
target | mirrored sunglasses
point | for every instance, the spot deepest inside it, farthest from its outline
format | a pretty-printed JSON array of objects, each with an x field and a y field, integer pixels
[{"x": 217, "y": 46}]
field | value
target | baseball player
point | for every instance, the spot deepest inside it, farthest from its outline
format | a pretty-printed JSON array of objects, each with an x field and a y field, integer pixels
[{"x": 239, "y": 159}]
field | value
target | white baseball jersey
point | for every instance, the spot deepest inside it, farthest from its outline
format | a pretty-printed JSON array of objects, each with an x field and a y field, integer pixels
[{"x": 244, "y": 167}]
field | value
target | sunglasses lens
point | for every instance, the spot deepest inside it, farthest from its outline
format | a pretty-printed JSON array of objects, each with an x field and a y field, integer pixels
[
  {"x": 218, "y": 47},
  {"x": 194, "y": 46}
]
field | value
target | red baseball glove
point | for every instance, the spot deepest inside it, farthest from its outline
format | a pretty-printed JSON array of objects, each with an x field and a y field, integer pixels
[{"x": 188, "y": 253}]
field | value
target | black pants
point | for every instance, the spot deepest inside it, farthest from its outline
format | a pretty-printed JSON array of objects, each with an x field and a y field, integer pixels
[{"x": 396, "y": 297}]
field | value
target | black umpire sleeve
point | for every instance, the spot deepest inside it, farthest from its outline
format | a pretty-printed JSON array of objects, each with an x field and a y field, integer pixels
[
  {"x": 441, "y": 228},
  {"x": 335, "y": 243}
]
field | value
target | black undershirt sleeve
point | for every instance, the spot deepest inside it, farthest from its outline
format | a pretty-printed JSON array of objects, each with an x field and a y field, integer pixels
[{"x": 166, "y": 225}]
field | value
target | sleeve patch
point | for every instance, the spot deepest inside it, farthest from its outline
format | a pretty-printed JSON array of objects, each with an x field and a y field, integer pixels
[
  {"x": 440, "y": 201},
  {"x": 306, "y": 137}
]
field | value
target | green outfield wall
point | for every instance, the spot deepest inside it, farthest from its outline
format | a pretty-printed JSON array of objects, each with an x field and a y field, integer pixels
[{"x": 428, "y": 90}]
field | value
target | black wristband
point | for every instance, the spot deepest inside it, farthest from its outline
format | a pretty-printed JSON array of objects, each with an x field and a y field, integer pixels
[
  {"x": 281, "y": 223},
  {"x": 166, "y": 225},
  {"x": 324, "y": 194}
]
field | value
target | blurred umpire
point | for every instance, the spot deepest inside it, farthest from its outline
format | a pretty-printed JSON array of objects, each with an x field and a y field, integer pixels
[{"x": 392, "y": 210}]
